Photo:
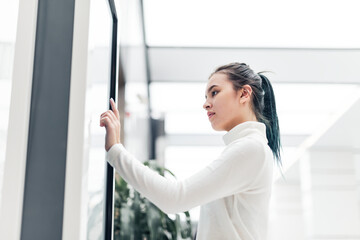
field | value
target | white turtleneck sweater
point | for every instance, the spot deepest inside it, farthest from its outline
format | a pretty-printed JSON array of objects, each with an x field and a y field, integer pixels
[{"x": 233, "y": 190}]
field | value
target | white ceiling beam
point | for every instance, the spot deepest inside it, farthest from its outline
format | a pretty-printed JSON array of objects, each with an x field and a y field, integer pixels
[{"x": 288, "y": 65}]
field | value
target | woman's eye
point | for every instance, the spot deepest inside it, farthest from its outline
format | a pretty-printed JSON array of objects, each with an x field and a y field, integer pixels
[{"x": 212, "y": 93}]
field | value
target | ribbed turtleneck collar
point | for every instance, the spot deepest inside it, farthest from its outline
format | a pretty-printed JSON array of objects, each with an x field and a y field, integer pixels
[{"x": 244, "y": 129}]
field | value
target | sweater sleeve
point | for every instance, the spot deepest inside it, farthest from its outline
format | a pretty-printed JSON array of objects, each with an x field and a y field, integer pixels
[{"x": 232, "y": 172}]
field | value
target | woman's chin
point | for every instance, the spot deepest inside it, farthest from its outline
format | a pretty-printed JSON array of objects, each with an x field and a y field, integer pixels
[{"x": 216, "y": 127}]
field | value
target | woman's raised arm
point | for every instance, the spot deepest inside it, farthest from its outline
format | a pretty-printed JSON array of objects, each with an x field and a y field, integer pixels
[{"x": 234, "y": 171}]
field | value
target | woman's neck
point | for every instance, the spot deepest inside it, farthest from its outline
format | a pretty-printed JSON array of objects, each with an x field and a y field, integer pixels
[{"x": 250, "y": 116}]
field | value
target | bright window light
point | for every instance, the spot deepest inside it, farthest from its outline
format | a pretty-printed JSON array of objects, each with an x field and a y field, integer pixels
[
  {"x": 256, "y": 23},
  {"x": 8, "y": 20},
  {"x": 8, "y": 25}
]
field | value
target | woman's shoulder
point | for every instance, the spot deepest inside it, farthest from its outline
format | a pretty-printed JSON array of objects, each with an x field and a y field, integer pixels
[
  {"x": 248, "y": 143},
  {"x": 246, "y": 153},
  {"x": 248, "y": 146}
]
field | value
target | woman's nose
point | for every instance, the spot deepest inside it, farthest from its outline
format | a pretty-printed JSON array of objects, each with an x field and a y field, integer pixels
[{"x": 206, "y": 105}]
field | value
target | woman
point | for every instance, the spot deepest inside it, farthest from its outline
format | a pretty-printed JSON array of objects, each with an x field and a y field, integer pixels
[{"x": 233, "y": 190}]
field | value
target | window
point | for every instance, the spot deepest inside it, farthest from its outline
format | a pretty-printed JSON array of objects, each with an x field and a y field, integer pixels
[{"x": 8, "y": 25}]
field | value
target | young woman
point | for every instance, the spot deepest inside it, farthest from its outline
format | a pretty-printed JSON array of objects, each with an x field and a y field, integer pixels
[{"x": 233, "y": 190}]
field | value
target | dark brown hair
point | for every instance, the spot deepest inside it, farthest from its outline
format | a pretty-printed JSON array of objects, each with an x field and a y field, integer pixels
[{"x": 262, "y": 100}]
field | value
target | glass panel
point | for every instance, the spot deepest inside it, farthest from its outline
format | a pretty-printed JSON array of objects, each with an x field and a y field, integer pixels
[
  {"x": 257, "y": 23},
  {"x": 8, "y": 25},
  {"x": 136, "y": 118},
  {"x": 97, "y": 99},
  {"x": 133, "y": 63}
]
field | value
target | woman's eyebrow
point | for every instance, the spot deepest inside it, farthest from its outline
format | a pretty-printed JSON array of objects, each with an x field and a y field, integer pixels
[{"x": 210, "y": 89}]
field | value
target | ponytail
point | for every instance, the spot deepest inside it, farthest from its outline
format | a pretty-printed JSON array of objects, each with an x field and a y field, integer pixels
[{"x": 271, "y": 119}]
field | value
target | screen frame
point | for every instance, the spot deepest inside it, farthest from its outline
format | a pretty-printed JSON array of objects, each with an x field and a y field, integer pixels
[{"x": 109, "y": 178}]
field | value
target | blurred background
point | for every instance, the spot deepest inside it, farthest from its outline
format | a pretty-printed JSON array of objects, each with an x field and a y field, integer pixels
[{"x": 167, "y": 50}]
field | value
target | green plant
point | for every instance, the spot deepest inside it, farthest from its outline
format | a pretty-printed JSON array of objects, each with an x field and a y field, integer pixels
[{"x": 136, "y": 218}]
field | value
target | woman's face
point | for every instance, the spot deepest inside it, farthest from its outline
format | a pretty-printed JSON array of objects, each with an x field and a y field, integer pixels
[{"x": 224, "y": 106}]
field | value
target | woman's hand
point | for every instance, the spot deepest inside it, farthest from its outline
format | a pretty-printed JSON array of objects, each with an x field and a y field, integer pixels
[{"x": 111, "y": 121}]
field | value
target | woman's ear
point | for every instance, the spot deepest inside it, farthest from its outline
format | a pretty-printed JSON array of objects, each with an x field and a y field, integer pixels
[{"x": 246, "y": 92}]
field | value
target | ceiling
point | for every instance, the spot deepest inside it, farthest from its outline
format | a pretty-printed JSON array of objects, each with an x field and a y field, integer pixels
[{"x": 256, "y": 23}]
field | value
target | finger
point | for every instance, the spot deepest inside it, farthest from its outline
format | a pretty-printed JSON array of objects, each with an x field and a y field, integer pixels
[
  {"x": 114, "y": 108},
  {"x": 105, "y": 121},
  {"x": 108, "y": 123},
  {"x": 112, "y": 102},
  {"x": 109, "y": 116},
  {"x": 112, "y": 116},
  {"x": 104, "y": 113}
]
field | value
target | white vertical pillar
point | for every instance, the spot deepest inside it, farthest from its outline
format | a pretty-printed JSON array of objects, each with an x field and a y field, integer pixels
[
  {"x": 75, "y": 205},
  {"x": 305, "y": 177},
  {"x": 17, "y": 138},
  {"x": 331, "y": 195},
  {"x": 286, "y": 210},
  {"x": 357, "y": 171}
]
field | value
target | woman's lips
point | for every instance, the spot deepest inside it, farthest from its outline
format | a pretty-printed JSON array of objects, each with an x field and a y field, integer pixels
[{"x": 210, "y": 115}]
